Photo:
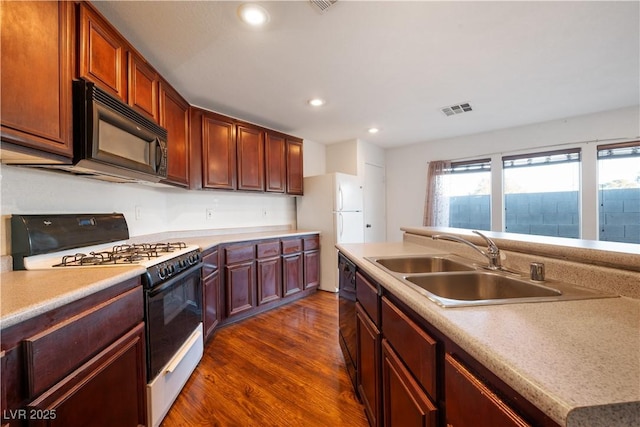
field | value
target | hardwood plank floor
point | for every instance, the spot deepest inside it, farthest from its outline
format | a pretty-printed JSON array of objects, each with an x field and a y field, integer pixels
[{"x": 280, "y": 368}]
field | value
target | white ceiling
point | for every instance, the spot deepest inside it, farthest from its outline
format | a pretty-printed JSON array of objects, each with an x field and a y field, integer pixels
[{"x": 392, "y": 64}]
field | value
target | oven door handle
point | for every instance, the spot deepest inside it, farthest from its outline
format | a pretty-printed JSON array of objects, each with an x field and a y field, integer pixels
[
  {"x": 172, "y": 280},
  {"x": 182, "y": 352}
]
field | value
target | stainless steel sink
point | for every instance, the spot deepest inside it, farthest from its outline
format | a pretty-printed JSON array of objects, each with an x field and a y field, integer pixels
[
  {"x": 489, "y": 288},
  {"x": 421, "y": 264},
  {"x": 479, "y": 286}
]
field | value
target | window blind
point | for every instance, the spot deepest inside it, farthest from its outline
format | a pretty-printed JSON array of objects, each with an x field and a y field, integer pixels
[{"x": 540, "y": 159}]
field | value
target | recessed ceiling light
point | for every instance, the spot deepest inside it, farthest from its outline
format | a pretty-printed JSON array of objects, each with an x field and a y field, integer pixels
[
  {"x": 374, "y": 130},
  {"x": 317, "y": 102},
  {"x": 253, "y": 14}
]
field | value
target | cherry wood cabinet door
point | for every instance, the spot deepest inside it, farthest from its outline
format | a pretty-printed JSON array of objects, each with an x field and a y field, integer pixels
[
  {"x": 110, "y": 388},
  {"x": 311, "y": 269},
  {"x": 250, "y": 145},
  {"x": 404, "y": 402},
  {"x": 144, "y": 84},
  {"x": 471, "y": 403},
  {"x": 269, "y": 279},
  {"x": 218, "y": 152},
  {"x": 37, "y": 72},
  {"x": 275, "y": 163},
  {"x": 240, "y": 287},
  {"x": 292, "y": 272},
  {"x": 294, "y": 167},
  {"x": 211, "y": 289},
  {"x": 368, "y": 363},
  {"x": 175, "y": 118},
  {"x": 103, "y": 53}
]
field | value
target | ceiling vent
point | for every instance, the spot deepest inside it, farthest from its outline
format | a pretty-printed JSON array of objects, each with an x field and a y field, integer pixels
[
  {"x": 452, "y": 110},
  {"x": 322, "y": 5}
]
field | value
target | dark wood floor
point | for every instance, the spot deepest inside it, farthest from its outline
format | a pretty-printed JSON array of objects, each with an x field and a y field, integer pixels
[{"x": 281, "y": 368}]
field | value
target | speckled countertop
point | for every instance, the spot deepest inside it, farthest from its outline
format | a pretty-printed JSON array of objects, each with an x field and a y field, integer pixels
[
  {"x": 26, "y": 294},
  {"x": 578, "y": 361}
]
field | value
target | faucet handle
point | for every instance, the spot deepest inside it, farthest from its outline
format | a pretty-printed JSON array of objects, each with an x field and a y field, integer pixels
[
  {"x": 536, "y": 270},
  {"x": 491, "y": 245}
]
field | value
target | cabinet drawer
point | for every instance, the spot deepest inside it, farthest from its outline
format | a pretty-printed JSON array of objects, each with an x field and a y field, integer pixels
[
  {"x": 311, "y": 243},
  {"x": 53, "y": 353},
  {"x": 367, "y": 296},
  {"x": 210, "y": 263},
  {"x": 414, "y": 346},
  {"x": 291, "y": 246},
  {"x": 236, "y": 254},
  {"x": 268, "y": 249},
  {"x": 471, "y": 402}
]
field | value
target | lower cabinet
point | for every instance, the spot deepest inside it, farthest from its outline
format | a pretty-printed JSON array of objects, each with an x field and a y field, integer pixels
[
  {"x": 79, "y": 364},
  {"x": 405, "y": 403},
  {"x": 471, "y": 403},
  {"x": 107, "y": 388},
  {"x": 262, "y": 274},
  {"x": 368, "y": 362},
  {"x": 211, "y": 292}
]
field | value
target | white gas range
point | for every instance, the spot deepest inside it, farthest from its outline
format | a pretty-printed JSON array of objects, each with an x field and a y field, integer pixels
[{"x": 172, "y": 287}]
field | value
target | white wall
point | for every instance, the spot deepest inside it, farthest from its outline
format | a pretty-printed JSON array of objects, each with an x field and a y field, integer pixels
[
  {"x": 407, "y": 166},
  {"x": 27, "y": 191},
  {"x": 314, "y": 159}
]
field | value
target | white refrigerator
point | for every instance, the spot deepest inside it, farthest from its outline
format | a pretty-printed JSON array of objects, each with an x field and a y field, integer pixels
[{"x": 332, "y": 204}]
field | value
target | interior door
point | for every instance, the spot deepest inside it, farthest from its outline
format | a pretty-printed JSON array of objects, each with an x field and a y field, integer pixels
[{"x": 374, "y": 204}]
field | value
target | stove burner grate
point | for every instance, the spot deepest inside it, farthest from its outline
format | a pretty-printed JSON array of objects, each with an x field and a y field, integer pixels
[{"x": 121, "y": 254}]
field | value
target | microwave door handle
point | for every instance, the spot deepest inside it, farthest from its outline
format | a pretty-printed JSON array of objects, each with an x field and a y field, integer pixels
[{"x": 158, "y": 153}]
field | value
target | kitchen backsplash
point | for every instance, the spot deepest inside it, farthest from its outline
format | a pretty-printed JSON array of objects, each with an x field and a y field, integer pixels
[{"x": 147, "y": 209}]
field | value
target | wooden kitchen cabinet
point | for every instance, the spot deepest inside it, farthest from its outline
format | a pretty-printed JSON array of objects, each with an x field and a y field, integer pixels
[
  {"x": 275, "y": 163},
  {"x": 37, "y": 72},
  {"x": 368, "y": 362},
  {"x": 218, "y": 152},
  {"x": 175, "y": 118},
  {"x": 311, "y": 246},
  {"x": 294, "y": 167},
  {"x": 211, "y": 292},
  {"x": 143, "y": 87},
  {"x": 250, "y": 146},
  {"x": 471, "y": 403},
  {"x": 405, "y": 403},
  {"x": 292, "y": 266},
  {"x": 82, "y": 362},
  {"x": 103, "y": 53},
  {"x": 269, "y": 266},
  {"x": 116, "y": 375},
  {"x": 240, "y": 279}
]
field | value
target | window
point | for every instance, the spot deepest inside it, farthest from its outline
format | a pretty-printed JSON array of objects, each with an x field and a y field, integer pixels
[
  {"x": 619, "y": 192},
  {"x": 459, "y": 194},
  {"x": 470, "y": 195},
  {"x": 541, "y": 193}
]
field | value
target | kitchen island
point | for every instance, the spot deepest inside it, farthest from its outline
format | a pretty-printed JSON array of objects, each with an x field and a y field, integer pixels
[{"x": 576, "y": 361}]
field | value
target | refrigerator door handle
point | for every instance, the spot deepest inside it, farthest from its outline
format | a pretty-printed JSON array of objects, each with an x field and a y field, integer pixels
[
  {"x": 340, "y": 225},
  {"x": 340, "y": 198}
]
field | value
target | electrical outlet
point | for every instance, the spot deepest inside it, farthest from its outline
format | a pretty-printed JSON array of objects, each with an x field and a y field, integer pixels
[{"x": 209, "y": 214}]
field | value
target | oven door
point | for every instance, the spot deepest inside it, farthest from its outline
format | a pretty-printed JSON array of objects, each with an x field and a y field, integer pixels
[{"x": 173, "y": 310}]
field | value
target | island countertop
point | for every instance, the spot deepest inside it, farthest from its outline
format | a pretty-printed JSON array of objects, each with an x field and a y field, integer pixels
[{"x": 577, "y": 361}]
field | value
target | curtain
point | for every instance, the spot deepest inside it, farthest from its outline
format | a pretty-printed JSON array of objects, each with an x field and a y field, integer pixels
[{"x": 436, "y": 205}]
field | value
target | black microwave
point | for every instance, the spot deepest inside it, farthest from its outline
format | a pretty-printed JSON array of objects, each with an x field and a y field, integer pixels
[{"x": 112, "y": 141}]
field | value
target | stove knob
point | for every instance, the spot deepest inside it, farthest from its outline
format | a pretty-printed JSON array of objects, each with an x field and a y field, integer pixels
[
  {"x": 172, "y": 269},
  {"x": 162, "y": 273}
]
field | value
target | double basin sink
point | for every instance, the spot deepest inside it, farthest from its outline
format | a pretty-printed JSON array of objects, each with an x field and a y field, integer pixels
[{"x": 452, "y": 281}]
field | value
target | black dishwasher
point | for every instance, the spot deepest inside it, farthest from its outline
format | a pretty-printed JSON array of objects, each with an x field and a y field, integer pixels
[{"x": 347, "y": 314}]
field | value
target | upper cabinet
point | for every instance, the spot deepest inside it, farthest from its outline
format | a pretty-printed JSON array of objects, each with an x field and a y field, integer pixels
[
  {"x": 275, "y": 163},
  {"x": 218, "y": 151},
  {"x": 37, "y": 71},
  {"x": 174, "y": 117},
  {"x": 144, "y": 84},
  {"x": 294, "y": 167},
  {"x": 103, "y": 53},
  {"x": 250, "y": 146}
]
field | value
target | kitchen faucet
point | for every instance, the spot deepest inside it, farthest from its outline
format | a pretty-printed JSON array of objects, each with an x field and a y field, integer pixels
[{"x": 492, "y": 253}]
